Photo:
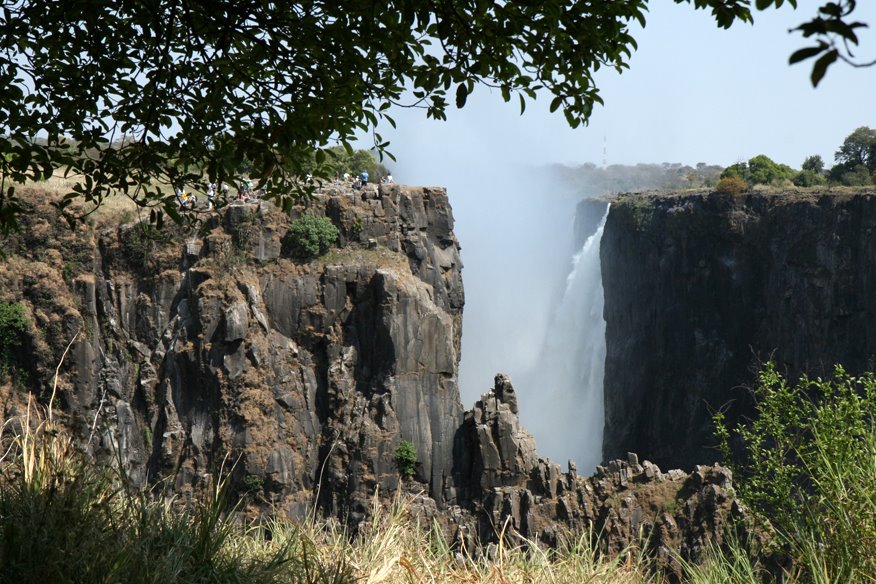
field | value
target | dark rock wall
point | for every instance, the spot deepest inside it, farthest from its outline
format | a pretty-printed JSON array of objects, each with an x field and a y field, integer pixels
[
  {"x": 700, "y": 288},
  {"x": 214, "y": 350}
]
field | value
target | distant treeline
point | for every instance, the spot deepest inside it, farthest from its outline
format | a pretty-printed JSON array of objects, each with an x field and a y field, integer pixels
[
  {"x": 589, "y": 179},
  {"x": 855, "y": 166}
]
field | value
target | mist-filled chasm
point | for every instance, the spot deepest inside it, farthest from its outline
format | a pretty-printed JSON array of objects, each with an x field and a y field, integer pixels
[
  {"x": 534, "y": 306},
  {"x": 568, "y": 375},
  {"x": 533, "y": 300}
]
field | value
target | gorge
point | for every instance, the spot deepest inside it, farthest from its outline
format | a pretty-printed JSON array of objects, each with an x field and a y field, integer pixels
[{"x": 193, "y": 349}]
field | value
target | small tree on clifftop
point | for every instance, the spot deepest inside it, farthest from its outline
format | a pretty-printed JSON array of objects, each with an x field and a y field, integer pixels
[
  {"x": 813, "y": 163},
  {"x": 859, "y": 148}
]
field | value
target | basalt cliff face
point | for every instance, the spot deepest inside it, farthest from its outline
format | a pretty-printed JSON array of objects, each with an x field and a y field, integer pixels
[
  {"x": 198, "y": 351},
  {"x": 701, "y": 288},
  {"x": 194, "y": 351}
]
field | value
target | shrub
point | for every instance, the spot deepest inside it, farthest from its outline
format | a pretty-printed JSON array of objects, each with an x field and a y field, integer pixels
[
  {"x": 406, "y": 458},
  {"x": 310, "y": 236},
  {"x": 809, "y": 467},
  {"x": 856, "y": 176},
  {"x": 763, "y": 170},
  {"x": 738, "y": 170},
  {"x": 253, "y": 483},
  {"x": 731, "y": 185},
  {"x": 13, "y": 326},
  {"x": 809, "y": 178}
]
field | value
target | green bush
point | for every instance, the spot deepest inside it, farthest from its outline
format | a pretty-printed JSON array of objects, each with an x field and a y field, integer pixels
[
  {"x": 852, "y": 175},
  {"x": 809, "y": 178},
  {"x": 13, "y": 327},
  {"x": 731, "y": 185},
  {"x": 738, "y": 170},
  {"x": 813, "y": 163},
  {"x": 763, "y": 170},
  {"x": 406, "y": 458},
  {"x": 809, "y": 467},
  {"x": 310, "y": 236},
  {"x": 253, "y": 483}
]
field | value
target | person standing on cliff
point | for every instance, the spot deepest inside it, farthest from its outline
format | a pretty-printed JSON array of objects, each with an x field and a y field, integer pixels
[{"x": 211, "y": 194}]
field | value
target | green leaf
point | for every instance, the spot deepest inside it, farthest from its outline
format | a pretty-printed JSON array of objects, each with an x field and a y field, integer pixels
[
  {"x": 461, "y": 95},
  {"x": 821, "y": 65},
  {"x": 804, "y": 54}
]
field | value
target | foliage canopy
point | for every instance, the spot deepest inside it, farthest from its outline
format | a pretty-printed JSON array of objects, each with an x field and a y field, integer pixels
[
  {"x": 813, "y": 163},
  {"x": 764, "y": 170},
  {"x": 859, "y": 149},
  {"x": 760, "y": 169},
  {"x": 135, "y": 95}
]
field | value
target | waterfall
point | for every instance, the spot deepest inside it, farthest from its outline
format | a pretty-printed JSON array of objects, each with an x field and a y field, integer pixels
[{"x": 568, "y": 378}]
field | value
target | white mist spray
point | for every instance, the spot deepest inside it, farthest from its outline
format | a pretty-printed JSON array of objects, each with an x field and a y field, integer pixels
[{"x": 571, "y": 370}]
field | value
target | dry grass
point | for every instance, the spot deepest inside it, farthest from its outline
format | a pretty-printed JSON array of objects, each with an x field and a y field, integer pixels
[
  {"x": 63, "y": 520},
  {"x": 358, "y": 256},
  {"x": 112, "y": 210}
]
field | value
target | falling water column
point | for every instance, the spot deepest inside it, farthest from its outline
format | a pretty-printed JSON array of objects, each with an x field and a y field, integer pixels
[{"x": 572, "y": 366}]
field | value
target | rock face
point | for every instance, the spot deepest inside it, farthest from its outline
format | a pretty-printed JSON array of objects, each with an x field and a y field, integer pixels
[
  {"x": 700, "y": 288},
  {"x": 200, "y": 352},
  {"x": 505, "y": 488}
]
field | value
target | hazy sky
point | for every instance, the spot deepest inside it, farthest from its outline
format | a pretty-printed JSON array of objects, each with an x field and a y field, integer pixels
[{"x": 693, "y": 93}]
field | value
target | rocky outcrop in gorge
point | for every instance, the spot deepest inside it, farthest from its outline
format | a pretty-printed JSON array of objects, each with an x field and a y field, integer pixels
[
  {"x": 700, "y": 288},
  {"x": 506, "y": 488}
]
